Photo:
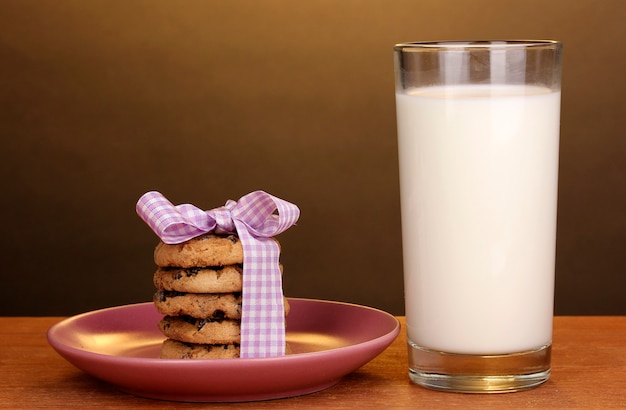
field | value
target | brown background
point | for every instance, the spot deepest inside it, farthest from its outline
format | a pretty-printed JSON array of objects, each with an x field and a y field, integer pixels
[{"x": 209, "y": 100}]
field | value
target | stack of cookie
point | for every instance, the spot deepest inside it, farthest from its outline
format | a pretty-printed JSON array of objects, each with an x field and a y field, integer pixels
[{"x": 199, "y": 285}]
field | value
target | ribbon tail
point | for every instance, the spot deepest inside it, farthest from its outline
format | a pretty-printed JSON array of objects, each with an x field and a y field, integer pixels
[{"x": 263, "y": 309}]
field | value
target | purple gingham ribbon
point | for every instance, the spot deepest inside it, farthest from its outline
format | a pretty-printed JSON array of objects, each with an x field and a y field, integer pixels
[{"x": 254, "y": 220}]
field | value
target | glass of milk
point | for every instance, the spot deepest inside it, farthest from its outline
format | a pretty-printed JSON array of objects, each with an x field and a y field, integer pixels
[{"x": 478, "y": 144}]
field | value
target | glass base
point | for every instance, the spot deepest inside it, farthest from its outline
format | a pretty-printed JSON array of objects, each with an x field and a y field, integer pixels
[{"x": 479, "y": 374}]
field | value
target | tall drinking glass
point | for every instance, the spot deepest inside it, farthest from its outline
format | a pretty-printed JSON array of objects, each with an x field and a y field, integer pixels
[{"x": 478, "y": 141}]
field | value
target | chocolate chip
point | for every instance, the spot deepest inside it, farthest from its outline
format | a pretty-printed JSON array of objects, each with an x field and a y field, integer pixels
[
  {"x": 190, "y": 320},
  {"x": 219, "y": 315},
  {"x": 201, "y": 323},
  {"x": 192, "y": 272}
]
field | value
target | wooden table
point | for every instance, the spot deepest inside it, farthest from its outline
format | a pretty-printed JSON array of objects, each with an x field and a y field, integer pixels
[{"x": 588, "y": 371}]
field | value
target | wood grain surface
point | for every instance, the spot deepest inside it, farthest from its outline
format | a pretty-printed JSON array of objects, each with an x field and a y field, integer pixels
[{"x": 588, "y": 371}]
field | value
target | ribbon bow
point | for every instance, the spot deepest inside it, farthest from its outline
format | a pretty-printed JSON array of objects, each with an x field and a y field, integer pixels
[{"x": 254, "y": 221}]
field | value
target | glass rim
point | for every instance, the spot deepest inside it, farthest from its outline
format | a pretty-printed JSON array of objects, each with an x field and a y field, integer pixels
[{"x": 474, "y": 44}]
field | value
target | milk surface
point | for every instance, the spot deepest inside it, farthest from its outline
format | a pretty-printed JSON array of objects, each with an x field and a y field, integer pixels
[{"x": 478, "y": 192}]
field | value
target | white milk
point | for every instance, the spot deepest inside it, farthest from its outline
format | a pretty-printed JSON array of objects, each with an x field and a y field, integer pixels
[{"x": 479, "y": 191}]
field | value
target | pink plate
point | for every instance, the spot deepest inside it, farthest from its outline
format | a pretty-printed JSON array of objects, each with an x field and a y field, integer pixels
[{"x": 121, "y": 345}]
